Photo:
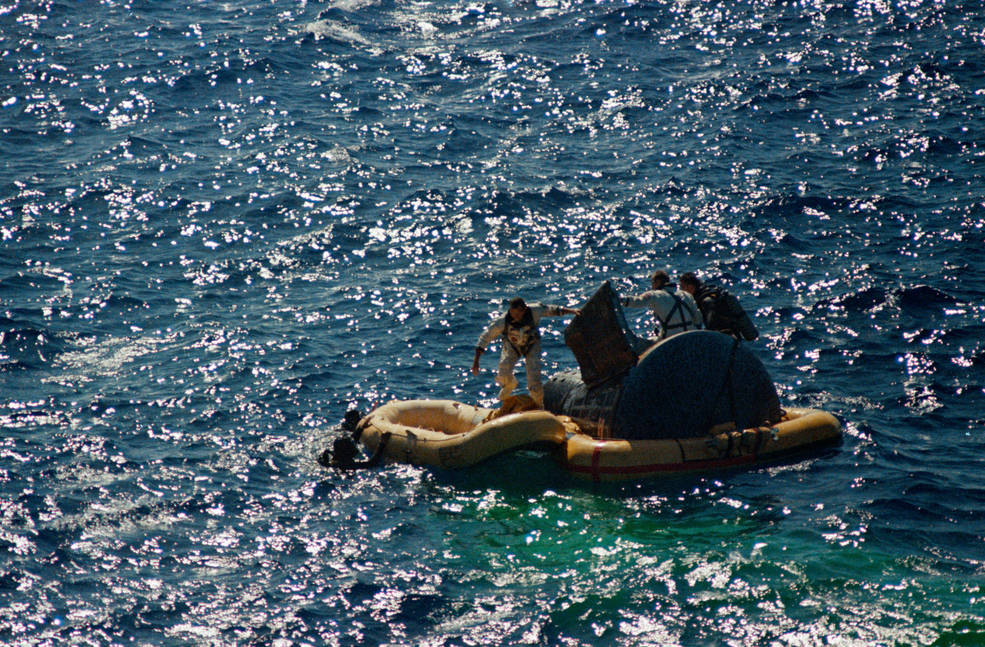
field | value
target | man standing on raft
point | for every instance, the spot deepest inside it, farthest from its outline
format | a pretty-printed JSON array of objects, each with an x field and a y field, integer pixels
[{"x": 521, "y": 338}]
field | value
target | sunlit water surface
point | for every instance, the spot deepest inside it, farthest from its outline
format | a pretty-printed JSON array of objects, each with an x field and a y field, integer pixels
[{"x": 224, "y": 224}]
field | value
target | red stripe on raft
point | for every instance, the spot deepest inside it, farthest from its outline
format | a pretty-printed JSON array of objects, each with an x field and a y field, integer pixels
[{"x": 596, "y": 469}]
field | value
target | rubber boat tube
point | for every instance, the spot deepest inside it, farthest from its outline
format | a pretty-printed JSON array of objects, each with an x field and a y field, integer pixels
[
  {"x": 799, "y": 431},
  {"x": 449, "y": 434}
]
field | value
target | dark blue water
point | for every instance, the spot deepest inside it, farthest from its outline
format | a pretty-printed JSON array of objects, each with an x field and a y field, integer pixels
[{"x": 224, "y": 224}]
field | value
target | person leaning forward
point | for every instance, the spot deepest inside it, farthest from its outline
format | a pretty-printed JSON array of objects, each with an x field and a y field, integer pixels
[
  {"x": 675, "y": 310},
  {"x": 521, "y": 338},
  {"x": 719, "y": 308}
]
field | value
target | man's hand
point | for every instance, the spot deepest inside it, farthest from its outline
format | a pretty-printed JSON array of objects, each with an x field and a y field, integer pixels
[{"x": 475, "y": 362}]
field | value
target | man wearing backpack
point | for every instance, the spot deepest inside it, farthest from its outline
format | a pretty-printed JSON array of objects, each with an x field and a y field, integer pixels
[{"x": 719, "y": 309}]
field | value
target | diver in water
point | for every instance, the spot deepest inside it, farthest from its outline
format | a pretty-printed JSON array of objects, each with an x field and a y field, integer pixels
[
  {"x": 344, "y": 451},
  {"x": 675, "y": 310},
  {"x": 521, "y": 338},
  {"x": 720, "y": 309}
]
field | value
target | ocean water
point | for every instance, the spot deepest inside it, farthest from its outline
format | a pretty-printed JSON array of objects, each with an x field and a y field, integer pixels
[{"x": 222, "y": 224}]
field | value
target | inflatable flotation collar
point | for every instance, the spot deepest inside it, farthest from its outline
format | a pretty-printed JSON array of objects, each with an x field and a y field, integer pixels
[
  {"x": 445, "y": 433},
  {"x": 801, "y": 431},
  {"x": 448, "y": 434}
]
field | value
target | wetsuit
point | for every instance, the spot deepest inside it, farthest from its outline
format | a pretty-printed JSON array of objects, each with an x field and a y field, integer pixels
[{"x": 722, "y": 312}]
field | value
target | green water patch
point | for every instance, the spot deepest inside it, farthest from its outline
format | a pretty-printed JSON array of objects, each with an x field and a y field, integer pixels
[
  {"x": 578, "y": 566},
  {"x": 513, "y": 552}
]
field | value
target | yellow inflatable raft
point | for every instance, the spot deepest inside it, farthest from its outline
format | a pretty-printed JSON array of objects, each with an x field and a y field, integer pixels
[
  {"x": 448, "y": 434},
  {"x": 799, "y": 431},
  {"x": 699, "y": 401},
  {"x": 444, "y": 433}
]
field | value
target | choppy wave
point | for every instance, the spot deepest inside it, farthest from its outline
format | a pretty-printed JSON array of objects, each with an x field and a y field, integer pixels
[{"x": 222, "y": 227}]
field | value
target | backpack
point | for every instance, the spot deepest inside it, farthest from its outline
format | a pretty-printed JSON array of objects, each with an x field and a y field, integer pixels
[{"x": 721, "y": 311}]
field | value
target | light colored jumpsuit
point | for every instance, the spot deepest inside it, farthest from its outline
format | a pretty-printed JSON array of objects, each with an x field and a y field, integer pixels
[
  {"x": 676, "y": 312},
  {"x": 519, "y": 340}
]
